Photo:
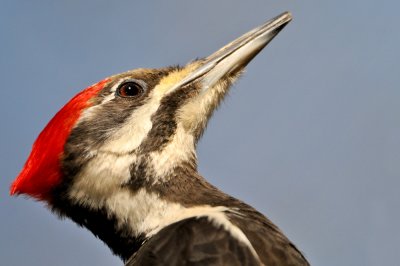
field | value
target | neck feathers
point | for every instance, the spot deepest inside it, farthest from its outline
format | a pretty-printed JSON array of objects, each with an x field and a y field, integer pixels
[{"x": 135, "y": 211}]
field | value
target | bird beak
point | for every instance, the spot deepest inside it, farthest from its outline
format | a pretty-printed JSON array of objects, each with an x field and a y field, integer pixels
[{"x": 234, "y": 56}]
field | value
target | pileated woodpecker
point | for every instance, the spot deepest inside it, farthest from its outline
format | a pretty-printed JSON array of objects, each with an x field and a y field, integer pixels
[{"x": 120, "y": 159}]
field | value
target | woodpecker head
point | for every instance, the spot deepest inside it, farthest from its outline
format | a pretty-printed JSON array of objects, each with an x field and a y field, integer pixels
[{"x": 134, "y": 127}]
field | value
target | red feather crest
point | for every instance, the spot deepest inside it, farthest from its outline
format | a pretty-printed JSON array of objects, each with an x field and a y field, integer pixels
[{"x": 42, "y": 171}]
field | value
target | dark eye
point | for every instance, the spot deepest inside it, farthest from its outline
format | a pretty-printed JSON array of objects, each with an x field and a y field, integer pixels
[{"x": 130, "y": 89}]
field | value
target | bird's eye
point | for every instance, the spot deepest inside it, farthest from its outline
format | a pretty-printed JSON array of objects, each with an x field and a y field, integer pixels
[{"x": 130, "y": 89}]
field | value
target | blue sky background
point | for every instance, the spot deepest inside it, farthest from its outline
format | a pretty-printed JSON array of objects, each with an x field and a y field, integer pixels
[{"x": 310, "y": 135}]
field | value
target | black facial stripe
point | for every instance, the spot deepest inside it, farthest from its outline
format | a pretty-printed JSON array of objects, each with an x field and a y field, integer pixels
[
  {"x": 140, "y": 174},
  {"x": 91, "y": 132},
  {"x": 164, "y": 120}
]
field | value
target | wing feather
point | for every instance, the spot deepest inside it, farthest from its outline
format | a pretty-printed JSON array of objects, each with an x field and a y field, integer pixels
[{"x": 194, "y": 241}]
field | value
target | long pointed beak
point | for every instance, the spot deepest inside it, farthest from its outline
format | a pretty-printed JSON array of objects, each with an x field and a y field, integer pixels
[{"x": 237, "y": 54}]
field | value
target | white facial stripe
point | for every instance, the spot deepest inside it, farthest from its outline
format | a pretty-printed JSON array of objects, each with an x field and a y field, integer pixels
[
  {"x": 112, "y": 91},
  {"x": 87, "y": 113},
  {"x": 179, "y": 149},
  {"x": 101, "y": 178},
  {"x": 135, "y": 129},
  {"x": 137, "y": 126}
]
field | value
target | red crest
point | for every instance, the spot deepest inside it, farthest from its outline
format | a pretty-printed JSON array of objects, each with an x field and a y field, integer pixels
[{"x": 41, "y": 171}]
